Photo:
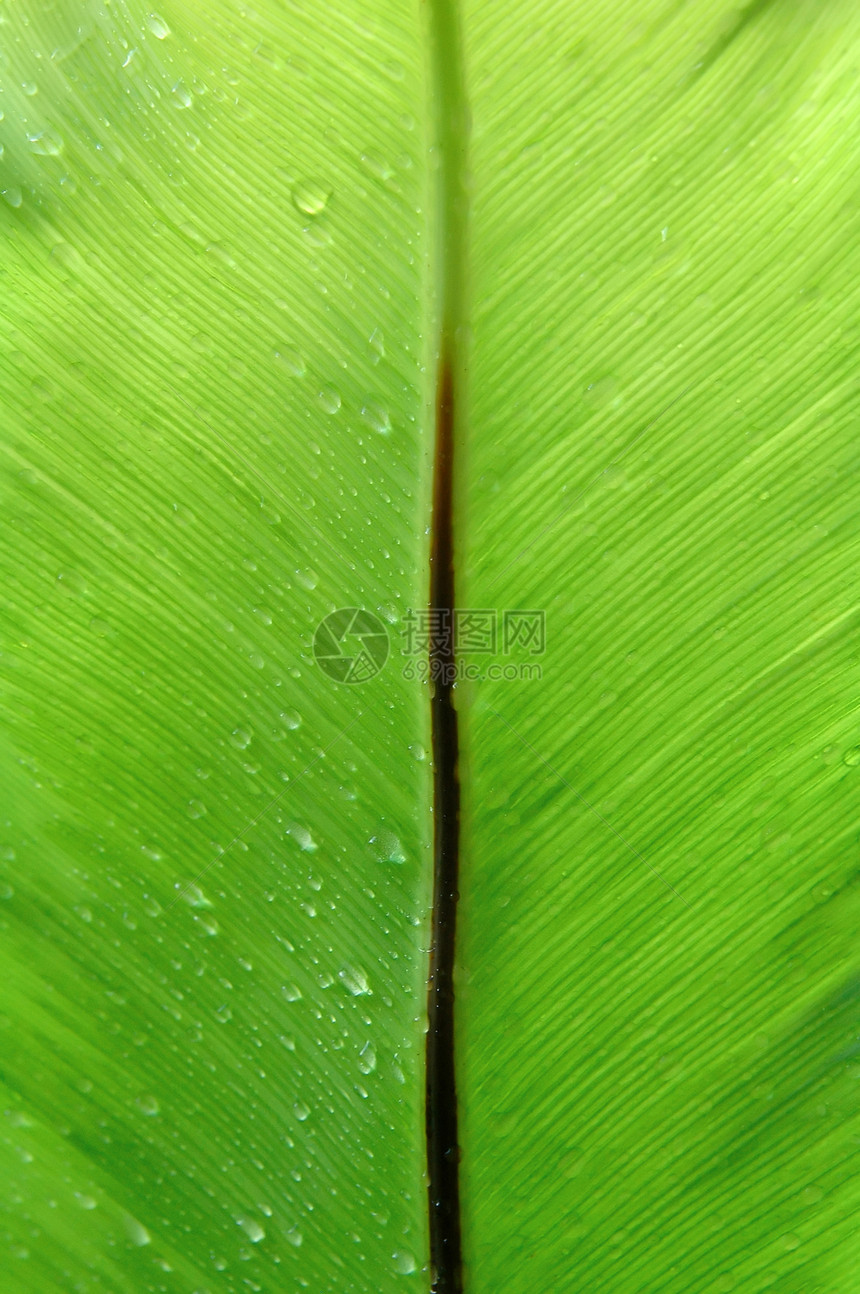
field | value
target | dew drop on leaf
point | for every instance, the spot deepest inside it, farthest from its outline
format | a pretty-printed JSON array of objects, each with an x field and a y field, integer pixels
[
  {"x": 252, "y": 1229},
  {"x": 157, "y": 26},
  {"x": 367, "y": 1058},
  {"x": 354, "y": 981},
  {"x": 311, "y": 197},
  {"x": 136, "y": 1232},
  {"x": 47, "y": 143},
  {"x": 292, "y": 360},
  {"x": 303, "y": 838},
  {"x": 377, "y": 416},
  {"x": 329, "y": 399}
]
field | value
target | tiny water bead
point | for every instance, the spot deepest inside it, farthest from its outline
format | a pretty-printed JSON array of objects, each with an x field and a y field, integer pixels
[
  {"x": 157, "y": 26},
  {"x": 292, "y": 360},
  {"x": 377, "y": 416},
  {"x": 354, "y": 981},
  {"x": 303, "y": 838},
  {"x": 367, "y": 1058},
  {"x": 329, "y": 398},
  {"x": 311, "y": 197},
  {"x": 183, "y": 95},
  {"x": 137, "y": 1233},
  {"x": 47, "y": 143},
  {"x": 252, "y": 1229},
  {"x": 404, "y": 1262}
]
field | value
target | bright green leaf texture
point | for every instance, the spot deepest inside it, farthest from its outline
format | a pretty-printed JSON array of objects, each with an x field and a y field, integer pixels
[{"x": 218, "y": 327}]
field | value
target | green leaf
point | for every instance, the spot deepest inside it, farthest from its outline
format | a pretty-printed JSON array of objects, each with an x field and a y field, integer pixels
[
  {"x": 230, "y": 242},
  {"x": 659, "y": 1029},
  {"x": 216, "y": 856}
]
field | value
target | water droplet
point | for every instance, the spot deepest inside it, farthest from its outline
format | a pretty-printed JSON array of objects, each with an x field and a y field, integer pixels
[
  {"x": 417, "y": 751},
  {"x": 301, "y": 1111},
  {"x": 303, "y": 838},
  {"x": 367, "y": 1058},
  {"x": 294, "y": 1237},
  {"x": 292, "y": 360},
  {"x": 327, "y": 396},
  {"x": 354, "y": 981},
  {"x": 291, "y": 992},
  {"x": 148, "y": 1105},
  {"x": 183, "y": 95},
  {"x": 852, "y": 757},
  {"x": 67, "y": 257},
  {"x": 86, "y": 1201},
  {"x": 252, "y": 1229},
  {"x": 308, "y": 579},
  {"x": 291, "y": 719},
  {"x": 157, "y": 26},
  {"x": 377, "y": 345},
  {"x": 240, "y": 738},
  {"x": 13, "y": 197},
  {"x": 311, "y": 197},
  {"x": 195, "y": 808},
  {"x": 47, "y": 143},
  {"x": 404, "y": 1263},
  {"x": 6, "y": 890},
  {"x": 377, "y": 166},
  {"x": 317, "y": 234},
  {"x": 136, "y": 1232},
  {"x": 388, "y": 848},
  {"x": 223, "y": 1014},
  {"x": 602, "y": 391},
  {"x": 195, "y": 898},
  {"x": 377, "y": 416},
  {"x": 30, "y": 88}
]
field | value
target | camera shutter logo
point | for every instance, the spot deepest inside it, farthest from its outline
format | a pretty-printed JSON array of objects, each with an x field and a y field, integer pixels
[{"x": 351, "y": 645}]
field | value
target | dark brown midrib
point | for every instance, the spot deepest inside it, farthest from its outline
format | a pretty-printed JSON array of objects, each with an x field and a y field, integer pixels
[{"x": 443, "y": 1152}]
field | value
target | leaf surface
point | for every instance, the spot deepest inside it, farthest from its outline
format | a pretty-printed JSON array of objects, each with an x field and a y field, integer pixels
[
  {"x": 659, "y": 1018},
  {"x": 221, "y": 280},
  {"x": 215, "y": 856}
]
